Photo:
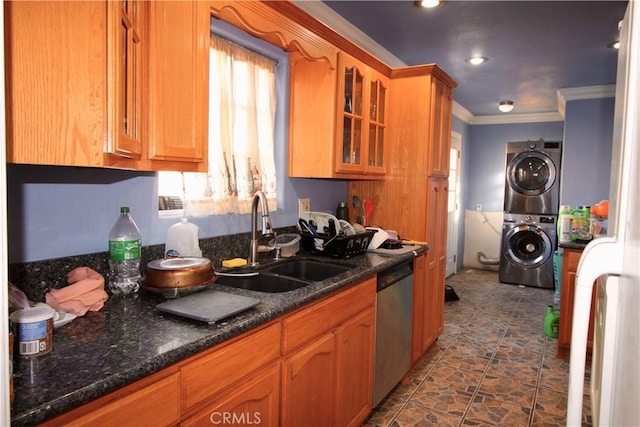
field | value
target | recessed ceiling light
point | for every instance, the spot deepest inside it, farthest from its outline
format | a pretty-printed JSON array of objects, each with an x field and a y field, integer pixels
[
  {"x": 505, "y": 106},
  {"x": 614, "y": 45},
  {"x": 428, "y": 4},
  {"x": 476, "y": 60}
]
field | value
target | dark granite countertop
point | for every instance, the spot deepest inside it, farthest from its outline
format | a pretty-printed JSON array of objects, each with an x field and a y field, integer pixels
[
  {"x": 129, "y": 339},
  {"x": 573, "y": 245}
]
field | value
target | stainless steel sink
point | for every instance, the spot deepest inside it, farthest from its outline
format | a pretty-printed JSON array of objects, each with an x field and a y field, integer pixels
[
  {"x": 308, "y": 270},
  {"x": 285, "y": 276},
  {"x": 263, "y": 283}
]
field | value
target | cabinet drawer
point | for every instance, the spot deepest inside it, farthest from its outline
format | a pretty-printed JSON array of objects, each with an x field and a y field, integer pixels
[
  {"x": 256, "y": 400},
  {"x": 156, "y": 404},
  {"x": 213, "y": 372},
  {"x": 312, "y": 321}
]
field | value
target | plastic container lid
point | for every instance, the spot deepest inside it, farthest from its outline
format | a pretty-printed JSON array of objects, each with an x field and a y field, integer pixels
[{"x": 32, "y": 315}]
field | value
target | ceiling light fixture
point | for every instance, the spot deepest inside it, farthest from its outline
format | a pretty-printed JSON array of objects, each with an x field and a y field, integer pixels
[
  {"x": 428, "y": 4},
  {"x": 476, "y": 60},
  {"x": 614, "y": 45},
  {"x": 505, "y": 106}
]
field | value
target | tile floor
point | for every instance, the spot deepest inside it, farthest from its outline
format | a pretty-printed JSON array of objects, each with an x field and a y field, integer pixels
[{"x": 492, "y": 365}]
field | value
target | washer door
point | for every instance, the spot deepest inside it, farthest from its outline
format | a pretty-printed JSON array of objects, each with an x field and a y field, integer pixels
[
  {"x": 528, "y": 246},
  {"x": 531, "y": 173}
]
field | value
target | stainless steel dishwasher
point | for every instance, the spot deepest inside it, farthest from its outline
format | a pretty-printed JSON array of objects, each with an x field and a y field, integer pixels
[{"x": 394, "y": 304}]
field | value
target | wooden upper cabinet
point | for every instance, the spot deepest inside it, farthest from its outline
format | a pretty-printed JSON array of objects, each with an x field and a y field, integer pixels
[
  {"x": 178, "y": 84},
  {"x": 311, "y": 117},
  {"x": 441, "y": 105},
  {"x": 78, "y": 75},
  {"x": 127, "y": 39},
  {"x": 56, "y": 82},
  {"x": 360, "y": 123}
]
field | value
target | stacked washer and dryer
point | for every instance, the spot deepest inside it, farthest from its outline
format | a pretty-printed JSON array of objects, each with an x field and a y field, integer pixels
[{"x": 531, "y": 201}]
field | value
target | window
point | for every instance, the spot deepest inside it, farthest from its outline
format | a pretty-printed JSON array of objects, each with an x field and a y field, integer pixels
[{"x": 242, "y": 102}]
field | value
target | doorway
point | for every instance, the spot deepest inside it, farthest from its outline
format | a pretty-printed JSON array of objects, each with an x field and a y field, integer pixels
[{"x": 453, "y": 204}]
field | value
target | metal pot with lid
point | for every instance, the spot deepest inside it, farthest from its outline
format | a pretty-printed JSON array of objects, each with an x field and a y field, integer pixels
[{"x": 173, "y": 277}]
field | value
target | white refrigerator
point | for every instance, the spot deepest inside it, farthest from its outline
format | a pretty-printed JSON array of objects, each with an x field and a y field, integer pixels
[{"x": 613, "y": 264}]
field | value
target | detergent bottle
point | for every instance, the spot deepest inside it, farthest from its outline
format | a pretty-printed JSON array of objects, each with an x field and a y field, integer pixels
[
  {"x": 551, "y": 322},
  {"x": 565, "y": 224}
]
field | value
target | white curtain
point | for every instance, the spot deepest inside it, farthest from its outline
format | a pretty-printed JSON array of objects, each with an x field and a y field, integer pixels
[{"x": 241, "y": 129}]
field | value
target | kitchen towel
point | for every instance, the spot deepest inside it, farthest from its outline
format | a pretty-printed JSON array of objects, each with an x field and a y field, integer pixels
[{"x": 84, "y": 293}]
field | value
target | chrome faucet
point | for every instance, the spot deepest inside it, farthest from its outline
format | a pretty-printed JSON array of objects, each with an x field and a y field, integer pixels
[{"x": 267, "y": 230}]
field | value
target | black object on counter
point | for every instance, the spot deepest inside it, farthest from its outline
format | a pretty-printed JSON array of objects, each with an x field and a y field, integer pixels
[{"x": 342, "y": 211}]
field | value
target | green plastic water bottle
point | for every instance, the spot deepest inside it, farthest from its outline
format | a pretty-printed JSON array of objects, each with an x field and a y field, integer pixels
[{"x": 551, "y": 322}]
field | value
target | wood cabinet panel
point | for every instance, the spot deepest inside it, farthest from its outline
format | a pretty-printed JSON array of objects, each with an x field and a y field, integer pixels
[
  {"x": 152, "y": 401},
  {"x": 121, "y": 84},
  {"x": 178, "y": 81},
  {"x": 254, "y": 401},
  {"x": 211, "y": 373},
  {"x": 311, "y": 117},
  {"x": 326, "y": 314},
  {"x": 309, "y": 384},
  {"x": 355, "y": 369},
  {"x": 56, "y": 82},
  {"x": 333, "y": 372},
  {"x": 127, "y": 45},
  {"x": 570, "y": 261},
  {"x": 421, "y": 295},
  {"x": 442, "y": 104}
]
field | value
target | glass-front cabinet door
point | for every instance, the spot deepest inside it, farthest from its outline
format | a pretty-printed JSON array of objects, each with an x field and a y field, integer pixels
[
  {"x": 377, "y": 126},
  {"x": 350, "y": 135},
  {"x": 360, "y": 134}
]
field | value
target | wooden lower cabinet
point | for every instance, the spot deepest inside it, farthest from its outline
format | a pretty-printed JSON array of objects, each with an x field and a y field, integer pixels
[
  {"x": 311, "y": 367},
  {"x": 152, "y": 401},
  {"x": 308, "y": 384},
  {"x": 254, "y": 401},
  {"x": 570, "y": 261},
  {"x": 328, "y": 380},
  {"x": 355, "y": 368}
]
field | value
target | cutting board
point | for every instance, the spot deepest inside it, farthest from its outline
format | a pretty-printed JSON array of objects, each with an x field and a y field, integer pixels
[{"x": 208, "y": 306}]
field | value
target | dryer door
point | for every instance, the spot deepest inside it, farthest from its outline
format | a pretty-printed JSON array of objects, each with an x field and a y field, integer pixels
[
  {"x": 527, "y": 246},
  {"x": 531, "y": 173}
]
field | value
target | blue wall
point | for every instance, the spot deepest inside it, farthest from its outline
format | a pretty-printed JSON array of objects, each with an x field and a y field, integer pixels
[
  {"x": 63, "y": 211},
  {"x": 487, "y": 158},
  {"x": 586, "y": 162}
]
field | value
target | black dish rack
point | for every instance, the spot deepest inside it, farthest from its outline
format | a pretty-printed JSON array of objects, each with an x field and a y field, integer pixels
[{"x": 337, "y": 246}]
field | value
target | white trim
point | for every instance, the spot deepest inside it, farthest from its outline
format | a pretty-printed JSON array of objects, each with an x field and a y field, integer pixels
[
  {"x": 584, "y": 92},
  {"x": 462, "y": 113},
  {"x": 516, "y": 118}
]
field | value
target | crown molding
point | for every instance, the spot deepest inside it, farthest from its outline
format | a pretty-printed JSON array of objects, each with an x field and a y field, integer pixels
[
  {"x": 462, "y": 113},
  {"x": 337, "y": 23},
  {"x": 504, "y": 119},
  {"x": 584, "y": 92}
]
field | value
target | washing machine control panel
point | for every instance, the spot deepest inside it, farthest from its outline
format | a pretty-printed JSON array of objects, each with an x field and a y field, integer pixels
[{"x": 547, "y": 220}]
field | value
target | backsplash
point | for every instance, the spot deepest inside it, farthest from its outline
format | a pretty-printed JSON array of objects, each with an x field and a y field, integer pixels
[{"x": 37, "y": 278}]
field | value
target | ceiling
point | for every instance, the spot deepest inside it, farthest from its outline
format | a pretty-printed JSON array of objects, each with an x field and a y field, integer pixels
[{"x": 534, "y": 47}]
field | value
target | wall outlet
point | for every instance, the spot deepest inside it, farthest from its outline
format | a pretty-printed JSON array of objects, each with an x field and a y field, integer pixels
[
  {"x": 304, "y": 205},
  {"x": 479, "y": 207}
]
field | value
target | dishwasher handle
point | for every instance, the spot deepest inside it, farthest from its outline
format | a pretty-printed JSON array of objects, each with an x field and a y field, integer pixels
[{"x": 394, "y": 274}]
